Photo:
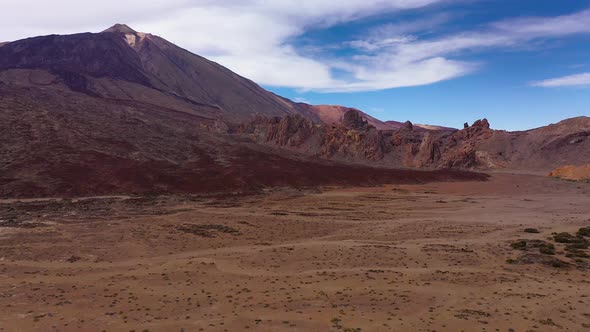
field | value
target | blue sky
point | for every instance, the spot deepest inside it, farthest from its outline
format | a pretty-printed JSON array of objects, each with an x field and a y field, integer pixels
[
  {"x": 519, "y": 63},
  {"x": 499, "y": 89}
]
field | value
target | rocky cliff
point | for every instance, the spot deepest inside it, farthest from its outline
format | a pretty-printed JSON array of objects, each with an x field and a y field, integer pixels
[{"x": 474, "y": 147}]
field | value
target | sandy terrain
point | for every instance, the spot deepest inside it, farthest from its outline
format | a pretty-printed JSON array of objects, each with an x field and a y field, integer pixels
[{"x": 394, "y": 258}]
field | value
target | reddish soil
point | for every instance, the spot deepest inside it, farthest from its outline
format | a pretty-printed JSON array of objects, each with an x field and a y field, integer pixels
[{"x": 429, "y": 257}]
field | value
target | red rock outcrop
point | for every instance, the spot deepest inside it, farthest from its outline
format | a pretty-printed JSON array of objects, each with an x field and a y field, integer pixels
[
  {"x": 353, "y": 120},
  {"x": 474, "y": 147}
]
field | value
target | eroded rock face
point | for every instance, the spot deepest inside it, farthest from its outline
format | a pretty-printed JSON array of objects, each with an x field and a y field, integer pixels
[
  {"x": 461, "y": 148},
  {"x": 482, "y": 124},
  {"x": 429, "y": 152},
  {"x": 368, "y": 144},
  {"x": 291, "y": 131},
  {"x": 354, "y": 120},
  {"x": 474, "y": 147},
  {"x": 356, "y": 140},
  {"x": 406, "y": 135}
]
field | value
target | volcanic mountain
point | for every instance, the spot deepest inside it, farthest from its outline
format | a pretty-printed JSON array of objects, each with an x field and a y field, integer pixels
[
  {"x": 128, "y": 112},
  {"x": 123, "y": 64}
]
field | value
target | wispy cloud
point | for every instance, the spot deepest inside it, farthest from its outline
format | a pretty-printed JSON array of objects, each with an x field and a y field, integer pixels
[
  {"x": 414, "y": 61},
  {"x": 547, "y": 26},
  {"x": 565, "y": 81},
  {"x": 374, "y": 45},
  {"x": 421, "y": 25}
]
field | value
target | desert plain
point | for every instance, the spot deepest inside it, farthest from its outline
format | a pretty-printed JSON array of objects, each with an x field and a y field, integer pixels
[{"x": 426, "y": 257}]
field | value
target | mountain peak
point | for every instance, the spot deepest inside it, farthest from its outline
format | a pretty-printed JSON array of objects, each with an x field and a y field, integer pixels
[{"x": 123, "y": 28}]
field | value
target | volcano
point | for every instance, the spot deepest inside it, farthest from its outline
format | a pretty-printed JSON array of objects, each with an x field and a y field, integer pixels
[
  {"x": 128, "y": 112},
  {"x": 123, "y": 111}
]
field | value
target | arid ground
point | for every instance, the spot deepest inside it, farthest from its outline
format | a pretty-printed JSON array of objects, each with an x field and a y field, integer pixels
[{"x": 433, "y": 257}]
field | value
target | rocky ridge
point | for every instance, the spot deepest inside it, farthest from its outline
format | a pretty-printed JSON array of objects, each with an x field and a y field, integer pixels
[{"x": 474, "y": 147}]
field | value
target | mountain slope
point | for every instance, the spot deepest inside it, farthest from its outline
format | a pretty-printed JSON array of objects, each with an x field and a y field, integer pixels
[{"x": 65, "y": 143}]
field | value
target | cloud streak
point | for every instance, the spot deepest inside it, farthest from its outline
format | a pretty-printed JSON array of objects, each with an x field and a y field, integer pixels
[
  {"x": 412, "y": 61},
  {"x": 565, "y": 81}
]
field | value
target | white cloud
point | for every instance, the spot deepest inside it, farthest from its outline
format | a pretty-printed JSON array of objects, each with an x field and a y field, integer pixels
[
  {"x": 280, "y": 67},
  {"x": 26, "y": 18},
  {"x": 383, "y": 74},
  {"x": 251, "y": 37},
  {"x": 301, "y": 100},
  {"x": 410, "y": 61},
  {"x": 394, "y": 33},
  {"x": 374, "y": 45},
  {"x": 255, "y": 37},
  {"x": 566, "y": 81},
  {"x": 18, "y": 18},
  {"x": 548, "y": 26}
]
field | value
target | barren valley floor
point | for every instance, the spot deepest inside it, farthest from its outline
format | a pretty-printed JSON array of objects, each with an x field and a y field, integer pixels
[{"x": 432, "y": 257}]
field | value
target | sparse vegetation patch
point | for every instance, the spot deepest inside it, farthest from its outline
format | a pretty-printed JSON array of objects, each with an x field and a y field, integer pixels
[
  {"x": 531, "y": 230},
  {"x": 206, "y": 230},
  {"x": 567, "y": 238},
  {"x": 20, "y": 224},
  {"x": 584, "y": 231}
]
